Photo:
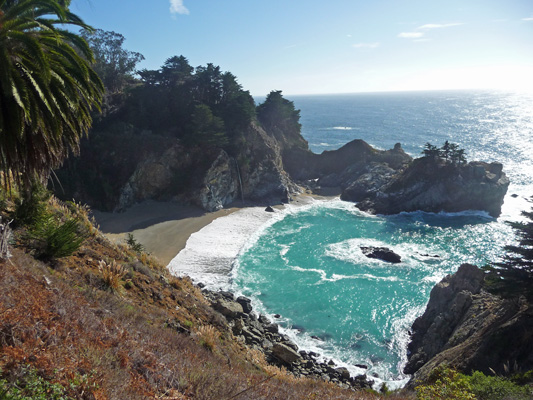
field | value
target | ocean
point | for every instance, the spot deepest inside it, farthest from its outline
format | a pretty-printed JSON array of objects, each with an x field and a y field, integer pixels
[{"x": 305, "y": 263}]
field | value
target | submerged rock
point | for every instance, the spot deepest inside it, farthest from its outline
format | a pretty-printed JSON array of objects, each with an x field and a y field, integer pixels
[{"x": 382, "y": 253}]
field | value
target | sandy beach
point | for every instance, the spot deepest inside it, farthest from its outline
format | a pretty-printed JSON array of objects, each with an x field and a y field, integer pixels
[{"x": 163, "y": 228}]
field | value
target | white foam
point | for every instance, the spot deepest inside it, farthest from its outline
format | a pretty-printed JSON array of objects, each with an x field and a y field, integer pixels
[{"x": 209, "y": 253}]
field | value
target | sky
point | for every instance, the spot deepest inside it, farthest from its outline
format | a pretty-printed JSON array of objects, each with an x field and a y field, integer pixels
[{"x": 338, "y": 46}]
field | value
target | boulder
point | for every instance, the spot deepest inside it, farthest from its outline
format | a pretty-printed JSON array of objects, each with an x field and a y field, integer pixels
[
  {"x": 382, "y": 253},
  {"x": 230, "y": 309},
  {"x": 343, "y": 372},
  {"x": 246, "y": 304},
  {"x": 285, "y": 354}
]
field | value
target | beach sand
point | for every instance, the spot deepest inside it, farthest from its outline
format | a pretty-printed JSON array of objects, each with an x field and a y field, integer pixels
[{"x": 163, "y": 228}]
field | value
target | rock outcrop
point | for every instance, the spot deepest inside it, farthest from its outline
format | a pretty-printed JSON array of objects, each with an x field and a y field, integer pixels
[
  {"x": 259, "y": 333},
  {"x": 467, "y": 328},
  {"x": 433, "y": 186},
  {"x": 382, "y": 253}
]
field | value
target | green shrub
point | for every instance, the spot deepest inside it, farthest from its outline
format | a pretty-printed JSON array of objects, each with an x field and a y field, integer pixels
[
  {"x": 134, "y": 244},
  {"x": 31, "y": 386},
  {"x": 446, "y": 384},
  {"x": 53, "y": 238},
  {"x": 496, "y": 388},
  {"x": 32, "y": 206}
]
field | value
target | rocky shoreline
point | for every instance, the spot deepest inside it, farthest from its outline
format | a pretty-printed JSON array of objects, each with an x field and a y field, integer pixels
[{"x": 257, "y": 332}]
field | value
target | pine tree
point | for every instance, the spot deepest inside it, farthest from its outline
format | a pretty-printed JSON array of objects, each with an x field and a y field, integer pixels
[{"x": 514, "y": 275}]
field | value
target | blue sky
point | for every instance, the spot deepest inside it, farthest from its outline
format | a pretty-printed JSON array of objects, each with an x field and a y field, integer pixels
[{"x": 338, "y": 46}]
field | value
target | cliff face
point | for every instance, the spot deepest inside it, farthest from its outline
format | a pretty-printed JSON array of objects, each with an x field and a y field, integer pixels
[
  {"x": 470, "y": 329},
  {"x": 119, "y": 169},
  {"x": 434, "y": 186}
]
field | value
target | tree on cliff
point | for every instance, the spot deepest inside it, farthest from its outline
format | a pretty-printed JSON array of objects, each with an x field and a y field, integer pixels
[
  {"x": 47, "y": 88},
  {"x": 278, "y": 112},
  {"x": 448, "y": 152},
  {"x": 113, "y": 64},
  {"x": 514, "y": 275}
]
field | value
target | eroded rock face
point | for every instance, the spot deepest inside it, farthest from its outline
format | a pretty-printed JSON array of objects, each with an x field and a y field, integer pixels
[
  {"x": 470, "y": 329},
  {"x": 221, "y": 183},
  {"x": 434, "y": 186}
]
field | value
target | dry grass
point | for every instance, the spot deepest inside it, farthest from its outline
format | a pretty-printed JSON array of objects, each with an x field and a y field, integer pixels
[
  {"x": 208, "y": 337},
  {"x": 112, "y": 274}
]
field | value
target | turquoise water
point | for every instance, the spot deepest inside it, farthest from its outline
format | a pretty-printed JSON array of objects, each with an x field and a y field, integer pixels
[{"x": 308, "y": 267}]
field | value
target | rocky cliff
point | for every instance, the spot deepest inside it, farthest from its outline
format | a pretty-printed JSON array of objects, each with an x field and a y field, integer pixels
[
  {"x": 118, "y": 169},
  {"x": 467, "y": 328},
  {"x": 210, "y": 177},
  {"x": 431, "y": 185}
]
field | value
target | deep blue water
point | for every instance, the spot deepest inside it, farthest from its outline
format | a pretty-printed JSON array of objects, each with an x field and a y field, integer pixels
[{"x": 308, "y": 266}]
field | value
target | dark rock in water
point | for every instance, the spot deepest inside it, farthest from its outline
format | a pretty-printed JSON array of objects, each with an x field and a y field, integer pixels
[
  {"x": 514, "y": 195},
  {"x": 429, "y": 255},
  {"x": 316, "y": 338},
  {"x": 277, "y": 316},
  {"x": 269, "y": 209},
  {"x": 200, "y": 285},
  {"x": 381, "y": 253},
  {"x": 246, "y": 304},
  {"x": 362, "y": 366},
  {"x": 299, "y": 328},
  {"x": 331, "y": 362}
]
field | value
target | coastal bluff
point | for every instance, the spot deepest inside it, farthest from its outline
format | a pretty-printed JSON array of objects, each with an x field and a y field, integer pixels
[
  {"x": 431, "y": 185},
  {"x": 468, "y": 328}
]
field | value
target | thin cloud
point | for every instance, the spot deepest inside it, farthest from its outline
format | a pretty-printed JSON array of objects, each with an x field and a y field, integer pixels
[
  {"x": 438, "y": 26},
  {"x": 177, "y": 7},
  {"x": 411, "y": 35},
  {"x": 527, "y": 19},
  {"x": 366, "y": 45}
]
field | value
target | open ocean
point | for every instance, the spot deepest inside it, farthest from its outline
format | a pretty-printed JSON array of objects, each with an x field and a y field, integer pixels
[{"x": 305, "y": 263}]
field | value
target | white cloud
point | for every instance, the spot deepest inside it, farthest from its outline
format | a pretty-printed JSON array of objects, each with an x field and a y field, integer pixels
[
  {"x": 411, "y": 35},
  {"x": 527, "y": 19},
  {"x": 177, "y": 7},
  {"x": 366, "y": 45},
  {"x": 436, "y": 26}
]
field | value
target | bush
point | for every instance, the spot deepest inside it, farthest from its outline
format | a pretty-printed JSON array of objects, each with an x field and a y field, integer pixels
[
  {"x": 446, "y": 383},
  {"x": 32, "y": 207},
  {"x": 55, "y": 239},
  {"x": 31, "y": 386},
  {"x": 496, "y": 388},
  {"x": 134, "y": 244}
]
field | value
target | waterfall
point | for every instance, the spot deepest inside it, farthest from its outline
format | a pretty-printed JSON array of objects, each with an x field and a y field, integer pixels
[{"x": 240, "y": 180}]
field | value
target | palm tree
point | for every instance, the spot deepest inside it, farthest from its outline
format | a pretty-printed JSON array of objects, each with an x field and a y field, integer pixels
[{"x": 47, "y": 88}]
